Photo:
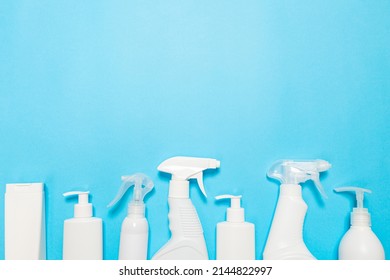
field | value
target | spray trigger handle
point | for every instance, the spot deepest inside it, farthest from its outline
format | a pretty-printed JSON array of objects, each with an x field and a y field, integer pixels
[{"x": 199, "y": 180}]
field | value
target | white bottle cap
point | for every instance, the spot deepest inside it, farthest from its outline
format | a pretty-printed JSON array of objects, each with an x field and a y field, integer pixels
[
  {"x": 83, "y": 209},
  {"x": 235, "y": 213}
]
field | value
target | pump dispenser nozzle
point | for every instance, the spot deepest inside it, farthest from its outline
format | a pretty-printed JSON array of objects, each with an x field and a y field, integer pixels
[
  {"x": 296, "y": 172},
  {"x": 234, "y": 213},
  {"x": 142, "y": 186},
  {"x": 359, "y": 214},
  {"x": 83, "y": 209}
]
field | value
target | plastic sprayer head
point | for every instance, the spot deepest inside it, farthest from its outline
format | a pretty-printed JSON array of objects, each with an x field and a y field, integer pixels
[
  {"x": 359, "y": 215},
  {"x": 296, "y": 172},
  {"x": 184, "y": 169},
  {"x": 142, "y": 186}
]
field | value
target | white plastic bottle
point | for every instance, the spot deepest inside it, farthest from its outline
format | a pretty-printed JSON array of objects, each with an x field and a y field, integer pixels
[
  {"x": 135, "y": 228},
  {"x": 360, "y": 242},
  {"x": 187, "y": 240},
  {"x": 83, "y": 234},
  {"x": 235, "y": 237},
  {"x": 24, "y": 222},
  {"x": 285, "y": 238}
]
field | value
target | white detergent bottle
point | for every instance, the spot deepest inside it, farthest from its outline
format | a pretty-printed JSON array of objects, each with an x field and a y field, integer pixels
[
  {"x": 285, "y": 238},
  {"x": 360, "y": 242},
  {"x": 83, "y": 234},
  {"x": 187, "y": 240},
  {"x": 134, "y": 236},
  {"x": 235, "y": 237}
]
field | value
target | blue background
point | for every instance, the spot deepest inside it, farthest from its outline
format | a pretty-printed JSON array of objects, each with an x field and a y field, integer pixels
[{"x": 92, "y": 90}]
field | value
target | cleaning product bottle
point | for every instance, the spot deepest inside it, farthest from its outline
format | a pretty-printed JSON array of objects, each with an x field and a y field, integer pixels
[
  {"x": 133, "y": 243},
  {"x": 360, "y": 242},
  {"x": 24, "y": 222},
  {"x": 187, "y": 240},
  {"x": 235, "y": 237},
  {"x": 285, "y": 239},
  {"x": 83, "y": 234}
]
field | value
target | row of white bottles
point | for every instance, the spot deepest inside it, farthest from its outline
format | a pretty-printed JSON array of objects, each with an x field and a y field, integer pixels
[{"x": 235, "y": 238}]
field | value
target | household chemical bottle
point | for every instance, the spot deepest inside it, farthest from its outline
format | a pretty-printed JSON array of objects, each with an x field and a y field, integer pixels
[
  {"x": 235, "y": 237},
  {"x": 285, "y": 239},
  {"x": 83, "y": 234},
  {"x": 134, "y": 236},
  {"x": 187, "y": 240},
  {"x": 360, "y": 242},
  {"x": 24, "y": 222}
]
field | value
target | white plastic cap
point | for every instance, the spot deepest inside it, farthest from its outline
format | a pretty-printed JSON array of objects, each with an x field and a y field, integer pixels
[
  {"x": 83, "y": 209},
  {"x": 235, "y": 213},
  {"x": 359, "y": 215}
]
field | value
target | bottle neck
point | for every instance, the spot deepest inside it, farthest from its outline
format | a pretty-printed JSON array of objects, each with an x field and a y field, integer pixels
[
  {"x": 83, "y": 210},
  {"x": 291, "y": 190},
  {"x": 136, "y": 210},
  {"x": 179, "y": 189},
  {"x": 360, "y": 217},
  {"x": 235, "y": 215}
]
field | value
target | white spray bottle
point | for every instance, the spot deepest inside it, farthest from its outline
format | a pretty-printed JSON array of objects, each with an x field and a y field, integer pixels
[
  {"x": 135, "y": 228},
  {"x": 360, "y": 242},
  {"x": 285, "y": 239},
  {"x": 187, "y": 240}
]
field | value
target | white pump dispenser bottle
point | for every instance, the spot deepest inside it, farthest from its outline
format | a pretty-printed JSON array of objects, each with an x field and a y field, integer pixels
[
  {"x": 187, "y": 240},
  {"x": 235, "y": 237},
  {"x": 135, "y": 228},
  {"x": 83, "y": 234},
  {"x": 285, "y": 239},
  {"x": 360, "y": 242}
]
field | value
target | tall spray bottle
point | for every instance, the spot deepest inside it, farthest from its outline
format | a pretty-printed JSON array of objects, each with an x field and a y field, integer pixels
[
  {"x": 360, "y": 242},
  {"x": 187, "y": 240},
  {"x": 285, "y": 239},
  {"x": 133, "y": 244}
]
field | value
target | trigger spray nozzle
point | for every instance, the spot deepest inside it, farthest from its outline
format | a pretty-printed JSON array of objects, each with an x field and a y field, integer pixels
[
  {"x": 142, "y": 186},
  {"x": 183, "y": 169},
  {"x": 296, "y": 172}
]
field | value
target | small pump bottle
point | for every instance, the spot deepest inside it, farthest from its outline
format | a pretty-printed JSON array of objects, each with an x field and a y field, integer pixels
[
  {"x": 135, "y": 228},
  {"x": 235, "y": 237},
  {"x": 83, "y": 234},
  {"x": 360, "y": 242}
]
